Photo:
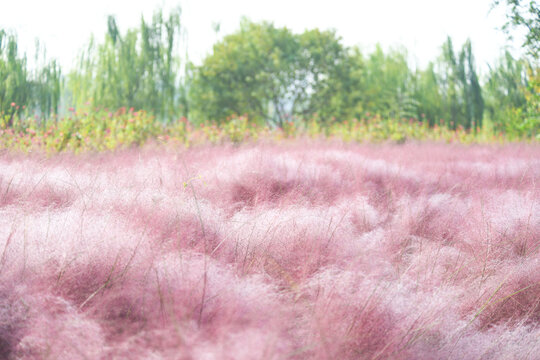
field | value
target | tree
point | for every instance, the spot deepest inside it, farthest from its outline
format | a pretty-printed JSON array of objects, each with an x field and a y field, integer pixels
[
  {"x": 388, "y": 84},
  {"x": 324, "y": 73},
  {"x": 37, "y": 90},
  {"x": 245, "y": 74},
  {"x": 14, "y": 84},
  {"x": 525, "y": 15},
  {"x": 269, "y": 74},
  {"x": 504, "y": 91},
  {"x": 472, "y": 92},
  {"x": 428, "y": 95},
  {"x": 136, "y": 69},
  {"x": 46, "y": 84},
  {"x": 462, "y": 101}
]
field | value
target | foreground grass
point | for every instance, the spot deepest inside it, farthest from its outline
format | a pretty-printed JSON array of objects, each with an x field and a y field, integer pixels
[{"x": 307, "y": 250}]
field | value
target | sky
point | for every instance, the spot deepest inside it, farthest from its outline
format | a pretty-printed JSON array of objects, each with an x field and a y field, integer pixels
[{"x": 421, "y": 26}]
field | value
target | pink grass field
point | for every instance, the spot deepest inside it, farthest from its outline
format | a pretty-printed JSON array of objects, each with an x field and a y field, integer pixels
[{"x": 303, "y": 250}]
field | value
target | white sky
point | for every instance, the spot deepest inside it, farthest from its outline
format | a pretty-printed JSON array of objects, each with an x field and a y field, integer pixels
[{"x": 64, "y": 26}]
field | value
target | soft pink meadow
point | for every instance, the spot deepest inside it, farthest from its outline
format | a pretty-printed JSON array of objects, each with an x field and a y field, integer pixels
[{"x": 303, "y": 250}]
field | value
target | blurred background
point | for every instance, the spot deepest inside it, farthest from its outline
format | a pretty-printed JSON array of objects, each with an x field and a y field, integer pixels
[{"x": 459, "y": 64}]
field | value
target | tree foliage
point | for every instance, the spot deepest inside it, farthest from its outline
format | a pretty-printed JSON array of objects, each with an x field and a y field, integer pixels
[
  {"x": 275, "y": 76},
  {"x": 20, "y": 87},
  {"x": 461, "y": 93},
  {"x": 138, "y": 68},
  {"x": 269, "y": 74},
  {"x": 523, "y": 118},
  {"x": 525, "y": 15}
]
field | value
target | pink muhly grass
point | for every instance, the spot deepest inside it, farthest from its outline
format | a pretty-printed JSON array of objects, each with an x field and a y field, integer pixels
[{"x": 306, "y": 250}]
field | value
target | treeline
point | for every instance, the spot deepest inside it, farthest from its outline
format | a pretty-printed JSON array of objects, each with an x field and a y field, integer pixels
[{"x": 273, "y": 76}]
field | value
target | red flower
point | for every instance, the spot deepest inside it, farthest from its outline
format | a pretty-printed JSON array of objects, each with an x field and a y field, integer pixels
[{"x": 13, "y": 104}]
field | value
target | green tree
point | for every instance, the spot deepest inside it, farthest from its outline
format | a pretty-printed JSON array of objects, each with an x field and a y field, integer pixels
[
  {"x": 136, "y": 69},
  {"x": 462, "y": 100},
  {"x": 270, "y": 74},
  {"x": 428, "y": 95},
  {"x": 249, "y": 72},
  {"x": 38, "y": 90},
  {"x": 505, "y": 96},
  {"x": 388, "y": 89},
  {"x": 472, "y": 91},
  {"x": 14, "y": 85},
  {"x": 525, "y": 15},
  {"x": 324, "y": 73},
  {"x": 46, "y": 84}
]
